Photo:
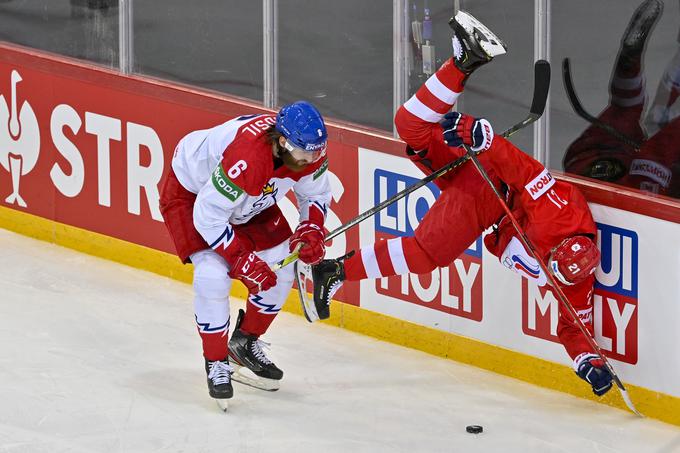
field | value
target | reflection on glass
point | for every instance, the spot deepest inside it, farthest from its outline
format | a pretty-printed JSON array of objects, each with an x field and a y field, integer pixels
[
  {"x": 217, "y": 45},
  {"x": 615, "y": 147},
  {"x": 86, "y": 29},
  {"x": 338, "y": 55},
  {"x": 501, "y": 91}
]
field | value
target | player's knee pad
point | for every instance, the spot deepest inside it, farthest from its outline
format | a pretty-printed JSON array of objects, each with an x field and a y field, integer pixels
[
  {"x": 574, "y": 259},
  {"x": 211, "y": 275}
]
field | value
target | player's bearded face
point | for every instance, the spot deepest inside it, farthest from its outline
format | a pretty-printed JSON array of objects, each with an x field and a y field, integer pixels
[
  {"x": 295, "y": 158},
  {"x": 292, "y": 163}
]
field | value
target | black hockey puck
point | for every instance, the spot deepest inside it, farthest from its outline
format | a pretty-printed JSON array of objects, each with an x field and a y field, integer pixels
[{"x": 474, "y": 429}]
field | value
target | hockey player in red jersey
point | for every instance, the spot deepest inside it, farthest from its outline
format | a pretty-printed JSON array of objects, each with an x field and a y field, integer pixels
[
  {"x": 219, "y": 203},
  {"x": 553, "y": 213}
]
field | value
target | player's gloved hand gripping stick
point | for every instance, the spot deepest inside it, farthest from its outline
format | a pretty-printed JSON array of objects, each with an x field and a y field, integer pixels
[{"x": 541, "y": 87}]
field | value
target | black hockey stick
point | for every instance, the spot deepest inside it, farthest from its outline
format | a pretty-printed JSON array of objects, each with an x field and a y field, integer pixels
[
  {"x": 580, "y": 111},
  {"x": 541, "y": 88},
  {"x": 553, "y": 281}
]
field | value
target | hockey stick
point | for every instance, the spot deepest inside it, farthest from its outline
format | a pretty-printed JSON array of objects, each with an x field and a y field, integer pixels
[
  {"x": 540, "y": 96},
  {"x": 553, "y": 282},
  {"x": 580, "y": 111},
  {"x": 303, "y": 272}
]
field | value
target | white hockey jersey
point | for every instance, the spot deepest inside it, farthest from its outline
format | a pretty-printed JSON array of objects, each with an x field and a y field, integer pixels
[{"x": 231, "y": 169}]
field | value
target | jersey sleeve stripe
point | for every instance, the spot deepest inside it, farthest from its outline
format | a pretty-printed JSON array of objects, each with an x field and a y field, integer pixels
[{"x": 228, "y": 232}]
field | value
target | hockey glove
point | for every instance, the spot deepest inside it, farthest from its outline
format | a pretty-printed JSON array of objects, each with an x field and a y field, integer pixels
[
  {"x": 253, "y": 272},
  {"x": 462, "y": 129},
  {"x": 312, "y": 236},
  {"x": 591, "y": 369}
]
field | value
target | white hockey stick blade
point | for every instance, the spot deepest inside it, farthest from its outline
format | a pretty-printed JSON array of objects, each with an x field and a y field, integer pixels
[
  {"x": 305, "y": 282},
  {"x": 491, "y": 43},
  {"x": 629, "y": 402},
  {"x": 245, "y": 376}
]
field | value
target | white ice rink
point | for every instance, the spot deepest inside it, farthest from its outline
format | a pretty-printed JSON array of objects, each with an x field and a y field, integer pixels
[{"x": 100, "y": 357}]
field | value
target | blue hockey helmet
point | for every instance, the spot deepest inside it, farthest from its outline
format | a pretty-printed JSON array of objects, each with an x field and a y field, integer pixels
[{"x": 303, "y": 127}]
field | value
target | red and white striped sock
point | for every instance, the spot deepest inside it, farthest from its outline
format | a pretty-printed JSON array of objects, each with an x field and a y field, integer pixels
[
  {"x": 430, "y": 103},
  {"x": 627, "y": 87},
  {"x": 386, "y": 258}
]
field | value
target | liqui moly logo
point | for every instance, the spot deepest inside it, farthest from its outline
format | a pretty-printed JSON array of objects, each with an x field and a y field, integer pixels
[
  {"x": 540, "y": 184},
  {"x": 615, "y": 299},
  {"x": 615, "y": 304},
  {"x": 455, "y": 289}
]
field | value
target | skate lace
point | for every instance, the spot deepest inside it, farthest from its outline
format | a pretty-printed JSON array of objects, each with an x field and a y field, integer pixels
[
  {"x": 220, "y": 372},
  {"x": 256, "y": 347}
]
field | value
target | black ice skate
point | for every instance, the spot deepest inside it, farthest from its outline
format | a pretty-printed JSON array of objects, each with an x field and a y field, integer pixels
[
  {"x": 219, "y": 381},
  {"x": 252, "y": 367},
  {"x": 473, "y": 43},
  {"x": 328, "y": 276}
]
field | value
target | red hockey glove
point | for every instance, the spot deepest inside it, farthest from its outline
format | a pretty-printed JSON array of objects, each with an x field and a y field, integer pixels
[
  {"x": 574, "y": 259},
  {"x": 462, "y": 129},
  {"x": 591, "y": 369},
  {"x": 312, "y": 236},
  {"x": 253, "y": 272}
]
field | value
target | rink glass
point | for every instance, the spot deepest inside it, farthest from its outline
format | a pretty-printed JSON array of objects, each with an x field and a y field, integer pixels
[{"x": 356, "y": 60}]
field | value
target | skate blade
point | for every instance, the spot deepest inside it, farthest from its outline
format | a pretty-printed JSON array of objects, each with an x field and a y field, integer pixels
[
  {"x": 305, "y": 281},
  {"x": 223, "y": 404},
  {"x": 245, "y": 376},
  {"x": 491, "y": 43}
]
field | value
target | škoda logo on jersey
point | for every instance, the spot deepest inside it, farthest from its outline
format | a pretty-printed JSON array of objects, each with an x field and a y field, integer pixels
[
  {"x": 224, "y": 185},
  {"x": 615, "y": 300},
  {"x": 456, "y": 289}
]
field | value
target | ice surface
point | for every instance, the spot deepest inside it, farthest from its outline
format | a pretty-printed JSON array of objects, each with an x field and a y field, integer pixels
[{"x": 100, "y": 357}]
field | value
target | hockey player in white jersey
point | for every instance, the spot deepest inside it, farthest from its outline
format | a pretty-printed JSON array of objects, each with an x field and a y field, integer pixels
[{"x": 219, "y": 203}]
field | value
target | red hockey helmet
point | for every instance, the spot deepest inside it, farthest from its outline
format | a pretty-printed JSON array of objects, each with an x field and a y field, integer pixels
[{"x": 574, "y": 259}]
